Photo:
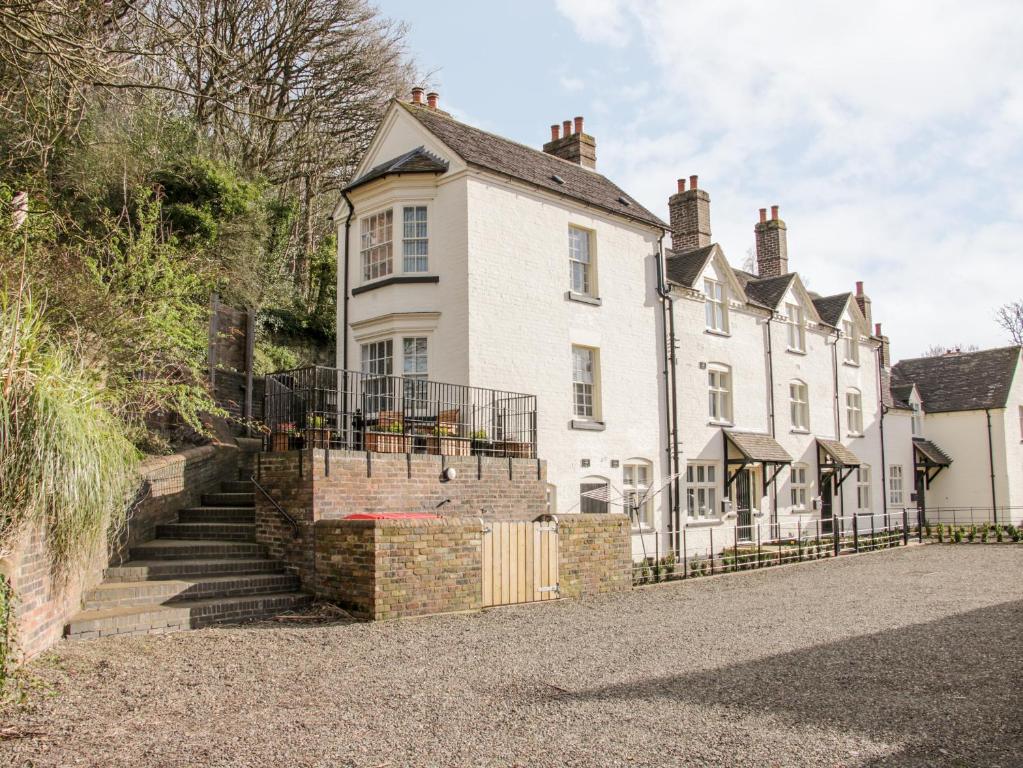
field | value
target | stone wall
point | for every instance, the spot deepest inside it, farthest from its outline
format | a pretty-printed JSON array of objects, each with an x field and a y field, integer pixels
[
  {"x": 385, "y": 569},
  {"x": 45, "y": 600},
  {"x": 594, "y": 555}
]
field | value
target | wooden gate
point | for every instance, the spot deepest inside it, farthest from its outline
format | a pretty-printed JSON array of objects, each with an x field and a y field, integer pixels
[{"x": 520, "y": 562}]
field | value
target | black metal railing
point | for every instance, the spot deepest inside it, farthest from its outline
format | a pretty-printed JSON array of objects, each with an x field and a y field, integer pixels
[{"x": 333, "y": 408}]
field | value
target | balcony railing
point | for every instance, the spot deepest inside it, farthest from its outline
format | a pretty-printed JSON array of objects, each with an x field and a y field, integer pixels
[{"x": 332, "y": 408}]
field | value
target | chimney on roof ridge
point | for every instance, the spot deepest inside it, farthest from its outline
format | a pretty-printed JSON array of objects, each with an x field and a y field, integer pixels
[
  {"x": 772, "y": 245},
  {"x": 555, "y": 132},
  {"x": 863, "y": 302},
  {"x": 417, "y": 95},
  {"x": 431, "y": 99},
  {"x": 689, "y": 214},
  {"x": 574, "y": 145}
]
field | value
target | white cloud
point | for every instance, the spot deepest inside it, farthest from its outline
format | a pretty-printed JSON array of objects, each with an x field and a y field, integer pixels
[{"x": 889, "y": 133}]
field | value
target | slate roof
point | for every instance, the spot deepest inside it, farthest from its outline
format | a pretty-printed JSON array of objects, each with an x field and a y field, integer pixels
[
  {"x": 759, "y": 447},
  {"x": 965, "y": 381},
  {"x": 517, "y": 161},
  {"x": 892, "y": 398},
  {"x": 841, "y": 455},
  {"x": 419, "y": 160},
  {"x": 684, "y": 268},
  {"x": 902, "y": 392},
  {"x": 830, "y": 307},
  {"x": 931, "y": 453},
  {"x": 769, "y": 290}
]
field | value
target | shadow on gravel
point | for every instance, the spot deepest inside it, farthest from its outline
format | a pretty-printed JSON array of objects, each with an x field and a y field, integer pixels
[{"x": 948, "y": 691}]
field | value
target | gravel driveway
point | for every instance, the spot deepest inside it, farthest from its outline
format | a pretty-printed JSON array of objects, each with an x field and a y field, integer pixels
[{"x": 903, "y": 657}]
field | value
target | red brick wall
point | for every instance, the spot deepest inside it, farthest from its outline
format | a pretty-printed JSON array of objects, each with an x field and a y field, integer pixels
[{"x": 594, "y": 555}]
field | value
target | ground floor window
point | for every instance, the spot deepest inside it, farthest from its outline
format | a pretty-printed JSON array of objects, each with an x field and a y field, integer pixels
[
  {"x": 701, "y": 490},
  {"x": 378, "y": 363},
  {"x": 636, "y": 490},
  {"x": 593, "y": 495},
  {"x": 414, "y": 369},
  {"x": 799, "y": 486},
  {"x": 863, "y": 489},
  {"x": 895, "y": 495}
]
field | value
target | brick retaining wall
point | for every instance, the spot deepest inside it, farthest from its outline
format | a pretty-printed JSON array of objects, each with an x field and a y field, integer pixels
[{"x": 594, "y": 554}]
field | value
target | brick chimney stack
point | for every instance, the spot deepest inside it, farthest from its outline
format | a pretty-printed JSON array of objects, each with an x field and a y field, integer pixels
[
  {"x": 689, "y": 214},
  {"x": 863, "y": 302},
  {"x": 772, "y": 245},
  {"x": 575, "y": 145},
  {"x": 417, "y": 95},
  {"x": 431, "y": 99},
  {"x": 886, "y": 356}
]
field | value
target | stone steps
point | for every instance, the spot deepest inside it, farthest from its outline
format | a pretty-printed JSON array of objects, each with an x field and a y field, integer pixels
[
  {"x": 193, "y": 549},
  {"x": 116, "y": 594},
  {"x": 229, "y": 500},
  {"x": 156, "y": 618},
  {"x": 212, "y": 531},
  {"x": 237, "y": 486},
  {"x": 157, "y": 570},
  {"x": 217, "y": 515}
]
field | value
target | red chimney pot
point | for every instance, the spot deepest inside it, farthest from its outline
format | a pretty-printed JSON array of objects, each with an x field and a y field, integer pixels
[
  {"x": 566, "y": 128},
  {"x": 692, "y": 181},
  {"x": 555, "y": 132},
  {"x": 774, "y": 212},
  {"x": 417, "y": 95},
  {"x": 859, "y": 287},
  {"x": 877, "y": 329},
  {"x": 578, "y": 125},
  {"x": 681, "y": 185},
  {"x": 763, "y": 215},
  {"x": 431, "y": 99}
]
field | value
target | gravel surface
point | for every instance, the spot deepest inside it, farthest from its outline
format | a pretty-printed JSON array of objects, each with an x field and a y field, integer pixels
[{"x": 904, "y": 657}]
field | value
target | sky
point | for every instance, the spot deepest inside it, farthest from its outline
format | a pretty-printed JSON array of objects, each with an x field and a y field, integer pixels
[{"x": 889, "y": 132}]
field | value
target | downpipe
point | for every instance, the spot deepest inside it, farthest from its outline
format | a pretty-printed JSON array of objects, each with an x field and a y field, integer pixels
[{"x": 670, "y": 393}]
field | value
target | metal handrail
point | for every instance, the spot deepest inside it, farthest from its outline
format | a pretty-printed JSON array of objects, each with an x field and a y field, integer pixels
[{"x": 278, "y": 507}]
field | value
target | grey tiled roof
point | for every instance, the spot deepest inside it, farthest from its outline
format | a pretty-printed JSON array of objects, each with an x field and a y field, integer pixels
[
  {"x": 841, "y": 455},
  {"x": 902, "y": 392},
  {"x": 830, "y": 307},
  {"x": 931, "y": 453},
  {"x": 517, "y": 161},
  {"x": 894, "y": 396},
  {"x": 759, "y": 447},
  {"x": 966, "y": 381},
  {"x": 684, "y": 268},
  {"x": 419, "y": 160},
  {"x": 769, "y": 290}
]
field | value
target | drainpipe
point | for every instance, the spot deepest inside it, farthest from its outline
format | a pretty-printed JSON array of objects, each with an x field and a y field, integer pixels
[
  {"x": 670, "y": 393},
  {"x": 883, "y": 411},
  {"x": 344, "y": 304},
  {"x": 991, "y": 463}
]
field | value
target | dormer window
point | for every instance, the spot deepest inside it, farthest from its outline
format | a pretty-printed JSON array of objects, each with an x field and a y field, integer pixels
[
  {"x": 918, "y": 420},
  {"x": 716, "y": 306},
  {"x": 852, "y": 343},
  {"x": 797, "y": 328}
]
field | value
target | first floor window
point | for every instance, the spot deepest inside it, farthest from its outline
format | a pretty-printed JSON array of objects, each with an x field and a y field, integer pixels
[
  {"x": 415, "y": 243},
  {"x": 799, "y": 405},
  {"x": 852, "y": 342},
  {"x": 895, "y": 496},
  {"x": 376, "y": 247},
  {"x": 716, "y": 306},
  {"x": 719, "y": 391},
  {"x": 918, "y": 428},
  {"x": 797, "y": 328},
  {"x": 580, "y": 264},
  {"x": 593, "y": 495},
  {"x": 584, "y": 381},
  {"x": 701, "y": 490},
  {"x": 799, "y": 486},
  {"x": 854, "y": 411},
  {"x": 378, "y": 364},
  {"x": 863, "y": 489},
  {"x": 636, "y": 490},
  {"x": 414, "y": 369}
]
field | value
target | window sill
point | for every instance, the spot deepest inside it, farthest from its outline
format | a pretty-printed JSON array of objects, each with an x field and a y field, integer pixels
[
  {"x": 583, "y": 298},
  {"x": 394, "y": 280},
  {"x": 797, "y": 431},
  {"x": 851, "y": 363},
  {"x": 854, "y": 434},
  {"x": 702, "y": 522},
  {"x": 713, "y": 423},
  {"x": 716, "y": 332},
  {"x": 800, "y": 511},
  {"x": 586, "y": 425},
  {"x": 794, "y": 351}
]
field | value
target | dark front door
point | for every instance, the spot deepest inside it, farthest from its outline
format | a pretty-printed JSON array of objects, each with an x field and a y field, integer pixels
[
  {"x": 826, "y": 514},
  {"x": 921, "y": 485},
  {"x": 744, "y": 506}
]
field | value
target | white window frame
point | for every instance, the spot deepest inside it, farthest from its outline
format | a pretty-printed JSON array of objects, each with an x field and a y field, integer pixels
[
  {"x": 797, "y": 328},
  {"x": 799, "y": 486},
  {"x": 702, "y": 490},
  {"x": 917, "y": 420},
  {"x": 863, "y": 488},
  {"x": 415, "y": 368},
  {"x": 593, "y": 506},
  {"x": 716, "y": 298},
  {"x": 582, "y": 273},
  {"x": 719, "y": 393},
  {"x": 376, "y": 245},
  {"x": 586, "y": 384},
  {"x": 852, "y": 342},
  {"x": 377, "y": 362},
  {"x": 415, "y": 239},
  {"x": 799, "y": 405},
  {"x": 854, "y": 411},
  {"x": 637, "y": 477},
  {"x": 896, "y": 490}
]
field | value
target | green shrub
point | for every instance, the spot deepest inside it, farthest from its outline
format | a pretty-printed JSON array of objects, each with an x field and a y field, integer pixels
[
  {"x": 939, "y": 533},
  {"x": 971, "y": 533},
  {"x": 999, "y": 533},
  {"x": 957, "y": 537}
]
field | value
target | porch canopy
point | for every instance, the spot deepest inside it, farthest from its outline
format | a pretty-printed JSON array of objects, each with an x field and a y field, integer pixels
[
  {"x": 745, "y": 448},
  {"x": 836, "y": 460},
  {"x": 929, "y": 459}
]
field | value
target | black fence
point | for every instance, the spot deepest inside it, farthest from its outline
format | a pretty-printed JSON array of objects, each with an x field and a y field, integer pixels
[
  {"x": 967, "y": 516},
  {"x": 332, "y": 408}
]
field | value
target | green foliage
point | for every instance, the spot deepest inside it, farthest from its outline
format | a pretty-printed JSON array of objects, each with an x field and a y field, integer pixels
[
  {"x": 971, "y": 533},
  {"x": 957, "y": 536},
  {"x": 939, "y": 533},
  {"x": 7, "y": 635}
]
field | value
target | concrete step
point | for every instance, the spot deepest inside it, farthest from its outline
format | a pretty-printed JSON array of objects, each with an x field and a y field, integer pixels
[
  {"x": 237, "y": 486},
  {"x": 188, "y": 614},
  {"x": 228, "y": 500},
  {"x": 116, "y": 594},
  {"x": 193, "y": 549},
  {"x": 217, "y": 515},
  {"x": 144, "y": 570},
  {"x": 207, "y": 531}
]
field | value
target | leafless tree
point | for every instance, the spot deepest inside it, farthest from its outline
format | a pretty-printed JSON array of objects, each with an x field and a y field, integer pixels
[
  {"x": 1010, "y": 317},
  {"x": 937, "y": 350}
]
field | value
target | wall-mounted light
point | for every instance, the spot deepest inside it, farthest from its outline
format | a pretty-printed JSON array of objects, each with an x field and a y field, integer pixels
[
  {"x": 585, "y": 462},
  {"x": 449, "y": 473}
]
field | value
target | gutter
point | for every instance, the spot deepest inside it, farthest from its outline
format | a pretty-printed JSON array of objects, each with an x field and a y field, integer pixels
[
  {"x": 344, "y": 304},
  {"x": 991, "y": 463},
  {"x": 670, "y": 393}
]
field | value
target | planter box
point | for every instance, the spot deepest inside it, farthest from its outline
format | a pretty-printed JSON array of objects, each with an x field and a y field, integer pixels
[
  {"x": 317, "y": 438},
  {"x": 387, "y": 442},
  {"x": 448, "y": 446},
  {"x": 515, "y": 450},
  {"x": 484, "y": 448}
]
